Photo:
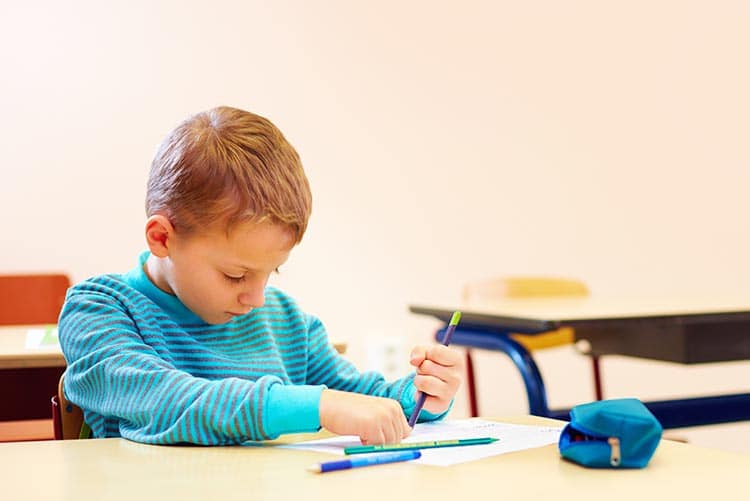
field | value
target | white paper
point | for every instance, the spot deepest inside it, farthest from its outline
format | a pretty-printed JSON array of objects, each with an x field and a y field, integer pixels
[
  {"x": 42, "y": 339},
  {"x": 512, "y": 437}
]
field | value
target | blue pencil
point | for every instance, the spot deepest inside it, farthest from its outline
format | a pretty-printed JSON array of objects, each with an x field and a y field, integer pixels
[
  {"x": 366, "y": 460},
  {"x": 446, "y": 341}
]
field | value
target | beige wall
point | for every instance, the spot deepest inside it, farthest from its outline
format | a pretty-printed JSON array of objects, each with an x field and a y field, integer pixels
[{"x": 445, "y": 141}]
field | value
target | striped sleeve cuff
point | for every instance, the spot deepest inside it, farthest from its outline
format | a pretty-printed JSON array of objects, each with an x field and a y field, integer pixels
[{"x": 292, "y": 409}]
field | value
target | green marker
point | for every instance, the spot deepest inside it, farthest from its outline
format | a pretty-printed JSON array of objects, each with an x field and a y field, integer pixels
[{"x": 361, "y": 449}]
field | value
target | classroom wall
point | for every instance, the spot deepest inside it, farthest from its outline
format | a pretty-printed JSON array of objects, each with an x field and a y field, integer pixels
[{"x": 444, "y": 141}]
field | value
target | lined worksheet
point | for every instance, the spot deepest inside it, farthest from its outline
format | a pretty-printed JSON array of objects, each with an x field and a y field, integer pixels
[{"x": 511, "y": 437}]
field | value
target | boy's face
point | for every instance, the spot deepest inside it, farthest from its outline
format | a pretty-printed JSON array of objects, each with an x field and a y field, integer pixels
[{"x": 219, "y": 276}]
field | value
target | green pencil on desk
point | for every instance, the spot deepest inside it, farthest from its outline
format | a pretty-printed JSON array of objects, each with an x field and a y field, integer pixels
[{"x": 362, "y": 449}]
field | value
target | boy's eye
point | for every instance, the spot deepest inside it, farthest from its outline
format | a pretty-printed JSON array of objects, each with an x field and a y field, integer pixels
[{"x": 234, "y": 280}]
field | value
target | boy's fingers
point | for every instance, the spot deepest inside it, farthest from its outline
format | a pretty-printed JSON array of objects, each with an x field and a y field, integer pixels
[
  {"x": 405, "y": 429},
  {"x": 417, "y": 356},
  {"x": 375, "y": 437},
  {"x": 431, "y": 386},
  {"x": 443, "y": 355},
  {"x": 447, "y": 374}
]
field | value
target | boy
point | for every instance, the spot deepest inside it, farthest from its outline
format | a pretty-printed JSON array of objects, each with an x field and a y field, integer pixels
[{"x": 191, "y": 346}]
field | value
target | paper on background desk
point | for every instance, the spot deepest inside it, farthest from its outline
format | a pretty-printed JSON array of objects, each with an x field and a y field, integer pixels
[
  {"x": 42, "y": 338},
  {"x": 512, "y": 437}
]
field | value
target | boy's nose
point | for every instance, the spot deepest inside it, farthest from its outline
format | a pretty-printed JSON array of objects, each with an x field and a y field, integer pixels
[{"x": 253, "y": 299}]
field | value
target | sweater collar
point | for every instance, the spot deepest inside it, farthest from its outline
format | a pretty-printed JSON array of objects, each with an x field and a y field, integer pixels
[{"x": 170, "y": 303}]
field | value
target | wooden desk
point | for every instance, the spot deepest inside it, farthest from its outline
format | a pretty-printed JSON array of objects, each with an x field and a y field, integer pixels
[
  {"x": 15, "y": 355},
  {"x": 682, "y": 330},
  {"x": 29, "y": 378},
  {"x": 116, "y": 469}
]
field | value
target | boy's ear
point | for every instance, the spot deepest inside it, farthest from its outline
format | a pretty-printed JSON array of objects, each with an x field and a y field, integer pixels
[{"x": 159, "y": 232}]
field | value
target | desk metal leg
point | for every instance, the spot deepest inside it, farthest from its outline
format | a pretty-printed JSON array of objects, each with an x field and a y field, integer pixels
[
  {"x": 596, "y": 369},
  {"x": 471, "y": 385},
  {"x": 499, "y": 341}
]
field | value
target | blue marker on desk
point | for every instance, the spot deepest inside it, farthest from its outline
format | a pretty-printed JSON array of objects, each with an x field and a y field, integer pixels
[{"x": 366, "y": 460}]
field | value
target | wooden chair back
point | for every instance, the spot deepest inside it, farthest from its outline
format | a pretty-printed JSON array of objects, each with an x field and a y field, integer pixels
[
  {"x": 528, "y": 287},
  {"x": 485, "y": 292},
  {"x": 67, "y": 418},
  {"x": 32, "y": 299},
  {"x": 522, "y": 287}
]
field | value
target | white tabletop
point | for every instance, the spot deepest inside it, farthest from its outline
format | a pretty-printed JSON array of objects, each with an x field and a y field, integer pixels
[
  {"x": 116, "y": 469},
  {"x": 15, "y": 355},
  {"x": 569, "y": 309}
]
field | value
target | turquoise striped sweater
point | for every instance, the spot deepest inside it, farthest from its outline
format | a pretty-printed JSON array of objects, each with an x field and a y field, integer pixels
[{"x": 144, "y": 367}]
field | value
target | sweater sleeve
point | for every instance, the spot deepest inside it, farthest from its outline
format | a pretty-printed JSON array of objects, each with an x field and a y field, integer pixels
[
  {"x": 115, "y": 377},
  {"x": 328, "y": 368}
]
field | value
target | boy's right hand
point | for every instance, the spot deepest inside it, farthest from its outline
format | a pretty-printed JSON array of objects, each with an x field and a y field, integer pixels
[{"x": 375, "y": 420}]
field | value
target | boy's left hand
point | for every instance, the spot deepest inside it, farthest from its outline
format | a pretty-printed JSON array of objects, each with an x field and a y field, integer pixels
[{"x": 439, "y": 371}]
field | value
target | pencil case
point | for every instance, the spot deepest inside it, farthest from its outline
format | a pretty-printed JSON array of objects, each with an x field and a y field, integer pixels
[{"x": 616, "y": 433}]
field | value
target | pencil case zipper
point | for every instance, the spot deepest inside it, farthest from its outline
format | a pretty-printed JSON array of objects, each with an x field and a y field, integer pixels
[{"x": 596, "y": 439}]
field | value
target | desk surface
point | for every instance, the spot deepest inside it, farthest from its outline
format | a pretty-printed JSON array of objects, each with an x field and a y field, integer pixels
[
  {"x": 116, "y": 469},
  {"x": 15, "y": 355},
  {"x": 683, "y": 330},
  {"x": 545, "y": 313}
]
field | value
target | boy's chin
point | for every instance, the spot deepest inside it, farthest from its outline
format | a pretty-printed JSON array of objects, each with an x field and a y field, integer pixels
[{"x": 218, "y": 318}]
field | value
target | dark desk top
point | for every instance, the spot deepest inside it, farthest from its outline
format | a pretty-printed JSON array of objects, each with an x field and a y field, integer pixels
[
  {"x": 681, "y": 330},
  {"x": 546, "y": 313}
]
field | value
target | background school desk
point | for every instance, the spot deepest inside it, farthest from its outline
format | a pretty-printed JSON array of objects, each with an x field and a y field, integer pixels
[
  {"x": 116, "y": 469},
  {"x": 686, "y": 331},
  {"x": 15, "y": 355},
  {"x": 30, "y": 378}
]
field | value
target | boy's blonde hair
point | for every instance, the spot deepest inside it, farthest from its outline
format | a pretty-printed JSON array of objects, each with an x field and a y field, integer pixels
[{"x": 227, "y": 165}]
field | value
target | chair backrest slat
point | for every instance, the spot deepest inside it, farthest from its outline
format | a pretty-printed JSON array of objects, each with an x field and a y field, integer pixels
[
  {"x": 68, "y": 420},
  {"x": 32, "y": 299}
]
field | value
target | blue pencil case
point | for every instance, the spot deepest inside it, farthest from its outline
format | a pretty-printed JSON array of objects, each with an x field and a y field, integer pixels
[{"x": 616, "y": 433}]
